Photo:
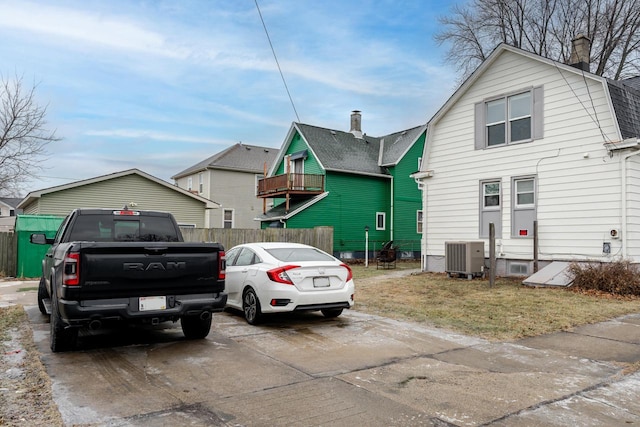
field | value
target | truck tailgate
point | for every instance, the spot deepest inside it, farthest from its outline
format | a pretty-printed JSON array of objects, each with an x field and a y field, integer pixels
[{"x": 114, "y": 270}]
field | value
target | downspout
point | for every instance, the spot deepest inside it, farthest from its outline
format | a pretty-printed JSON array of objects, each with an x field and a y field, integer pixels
[
  {"x": 624, "y": 201},
  {"x": 391, "y": 212}
]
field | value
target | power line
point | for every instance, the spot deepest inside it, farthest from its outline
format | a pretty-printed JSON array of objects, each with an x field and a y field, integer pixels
[{"x": 277, "y": 63}]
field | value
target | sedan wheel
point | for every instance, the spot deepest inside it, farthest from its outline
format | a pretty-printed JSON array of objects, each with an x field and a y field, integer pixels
[
  {"x": 251, "y": 307},
  {"x": 332, "y": 312}
]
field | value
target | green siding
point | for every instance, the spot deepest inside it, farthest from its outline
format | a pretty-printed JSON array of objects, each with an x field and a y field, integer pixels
[
  {"x": 354, "y": 200},
  {"x": 352, "y": 204},
  {"x": 311, "y": 164},
  {"x": 408, "y": 199}
]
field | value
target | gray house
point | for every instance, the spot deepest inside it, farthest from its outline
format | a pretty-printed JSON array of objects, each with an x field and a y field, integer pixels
[
  {"x": 132, "y": 187},
  {"x": 230, "y": 177}
]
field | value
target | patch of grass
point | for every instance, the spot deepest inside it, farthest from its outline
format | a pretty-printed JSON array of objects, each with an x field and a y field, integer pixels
[
  {"x": 10, "y": 317},
  {"x": 362, "y": 272},
  {"x": 505, "y": 311},
  {"x": 32, "y": 288}
]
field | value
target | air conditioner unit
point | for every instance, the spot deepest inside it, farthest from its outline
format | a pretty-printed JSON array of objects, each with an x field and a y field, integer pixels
[{"x": 464, "y": 258}]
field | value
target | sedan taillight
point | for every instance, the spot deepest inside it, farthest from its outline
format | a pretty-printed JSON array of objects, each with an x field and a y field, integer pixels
[
  {"x": 349, "y": 272},
  {"x": 280, "y": 275},
  {"x": 71, "y": 269}
]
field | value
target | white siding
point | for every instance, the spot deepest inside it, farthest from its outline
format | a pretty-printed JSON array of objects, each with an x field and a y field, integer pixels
[{"x": 578, "y": 183}]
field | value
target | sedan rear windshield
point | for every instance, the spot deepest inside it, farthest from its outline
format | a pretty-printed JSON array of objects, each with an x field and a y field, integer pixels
[{"x": 299, "y": 254}]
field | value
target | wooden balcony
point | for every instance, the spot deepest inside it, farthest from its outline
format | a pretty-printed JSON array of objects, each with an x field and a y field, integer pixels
[{"x": 287, "y": 185}]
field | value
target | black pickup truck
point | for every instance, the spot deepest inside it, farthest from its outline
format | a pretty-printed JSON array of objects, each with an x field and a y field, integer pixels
[{"x": 126, "y": 266}]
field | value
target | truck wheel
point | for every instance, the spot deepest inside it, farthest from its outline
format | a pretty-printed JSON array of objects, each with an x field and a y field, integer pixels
[
  {"x": 331, "y": 312},
  {"x": 61, "y": 339},
  {"x": 251, "y": 307},
  {"x": 194, "y": 327},
  {"x": 42, "y": 295}
]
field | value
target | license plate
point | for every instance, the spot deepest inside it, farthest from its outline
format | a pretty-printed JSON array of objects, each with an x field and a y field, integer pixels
[
  {"x": 321, "y": 282},
  {"x": 152, "y": 303}
]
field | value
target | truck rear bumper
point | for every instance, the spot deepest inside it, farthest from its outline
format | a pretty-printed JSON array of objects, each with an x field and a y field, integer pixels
[{"x": 80, "y": 313}]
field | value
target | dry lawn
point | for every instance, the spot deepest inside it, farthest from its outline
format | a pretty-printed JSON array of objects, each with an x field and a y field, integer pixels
[{"x": 506, "y": 311}]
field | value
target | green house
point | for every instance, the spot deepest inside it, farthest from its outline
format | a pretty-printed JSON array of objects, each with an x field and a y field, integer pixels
[{"x": 357, "y": 184}]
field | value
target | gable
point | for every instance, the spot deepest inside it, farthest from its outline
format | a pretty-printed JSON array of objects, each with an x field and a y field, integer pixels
[
  {"x": 297, "y": 144},
  {"x": 132, "y": 190}
]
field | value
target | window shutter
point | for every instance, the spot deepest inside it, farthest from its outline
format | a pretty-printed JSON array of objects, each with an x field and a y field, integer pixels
[
  {"x": 538, "y": 112},
  {"x": 479, "y": 126}
]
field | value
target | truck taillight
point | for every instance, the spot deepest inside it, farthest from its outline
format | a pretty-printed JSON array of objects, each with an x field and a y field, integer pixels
[
  {"x": 222, "y": 266},
  {"x": 71, "y": 269}
]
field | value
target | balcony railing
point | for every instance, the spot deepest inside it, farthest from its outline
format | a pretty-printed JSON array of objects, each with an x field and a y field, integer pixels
[{"x": 290, "y": 184}]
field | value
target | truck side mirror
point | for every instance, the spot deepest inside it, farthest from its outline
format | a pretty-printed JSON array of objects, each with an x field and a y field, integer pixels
[{"x": 40, "y": 239}]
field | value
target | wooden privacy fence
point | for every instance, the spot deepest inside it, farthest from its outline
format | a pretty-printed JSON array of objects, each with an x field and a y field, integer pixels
[
  {"x": 8, "y": 254},
  {"x": 320, "y": 237}
]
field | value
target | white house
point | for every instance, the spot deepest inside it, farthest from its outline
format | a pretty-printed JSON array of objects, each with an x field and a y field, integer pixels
[{"x": 529, "y": 139}]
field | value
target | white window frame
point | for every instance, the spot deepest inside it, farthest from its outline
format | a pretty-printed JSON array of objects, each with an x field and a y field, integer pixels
[
  {"x": 419, "y": 221},
  {"x": 224, "y": 220},
  {"x": 201, "y": 183},
  {"x": 519, "y": 205},
  {"x": 258, "y": 177},
  {"x": 190, "y": 183},
  {"x": 383, "y": 216},
  {"x": 508, "y": 120},
  {"x": 484, "y": 195},
  {"x": 535, "y": 116}
]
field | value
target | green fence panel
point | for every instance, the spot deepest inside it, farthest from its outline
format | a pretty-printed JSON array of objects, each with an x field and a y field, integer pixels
[{"x": 29, "y": 262}]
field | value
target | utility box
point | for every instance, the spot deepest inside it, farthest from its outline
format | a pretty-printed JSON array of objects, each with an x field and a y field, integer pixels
[
  {"x": 464, "y": 258},
  {"x": 30, "y": 256}
]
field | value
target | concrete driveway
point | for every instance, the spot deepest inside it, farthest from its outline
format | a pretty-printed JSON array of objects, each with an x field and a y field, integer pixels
[{"x": 354, "y": 370}]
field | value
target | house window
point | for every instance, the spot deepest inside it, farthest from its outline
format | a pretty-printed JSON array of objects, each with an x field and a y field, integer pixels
[
  {"x": 491, "y": 195},
  {"x": 419, "y": 163},
  {"x": 380, "y": 220},
  {"x": 200, "y": 183},
  {"x": 523, "y": 206},
  {"x": 490, "y": 208},
  {"x": 419, "y": 222},
  {"x": 525, "y": 196},
  {"x": 509, "y": 119},
  {"x": 227, "y": 220},
  {"x": 189, "y": 183},
  {"x": 257, "y": 184}
]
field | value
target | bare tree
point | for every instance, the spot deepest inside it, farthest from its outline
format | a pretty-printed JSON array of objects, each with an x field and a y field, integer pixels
[
  {"x": 545, "y": 27},
  {"x": 23, "y": 134}
]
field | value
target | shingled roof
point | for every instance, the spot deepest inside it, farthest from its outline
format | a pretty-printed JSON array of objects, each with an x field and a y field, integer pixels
[
  {"x": 625, "y": 97},
  {"x": 240, "y": 157},
  {"x": 343, "y": 152}
]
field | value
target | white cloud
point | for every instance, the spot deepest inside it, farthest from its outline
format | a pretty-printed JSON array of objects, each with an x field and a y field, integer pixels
[
  {"x": 87, "y": 28},
  {"x": 152, "y": 135}
]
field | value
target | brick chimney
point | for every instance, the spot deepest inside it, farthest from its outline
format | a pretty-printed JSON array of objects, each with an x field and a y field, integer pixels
[
  {"x": 356, "y": 124},
  {"x": 580, "y": 52}
]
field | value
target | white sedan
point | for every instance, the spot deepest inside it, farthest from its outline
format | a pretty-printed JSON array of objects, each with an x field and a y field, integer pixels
[{"x": 278, "y": 277}]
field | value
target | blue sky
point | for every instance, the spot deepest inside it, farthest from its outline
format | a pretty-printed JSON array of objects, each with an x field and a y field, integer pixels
[{"x": 162, "y": 85}]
